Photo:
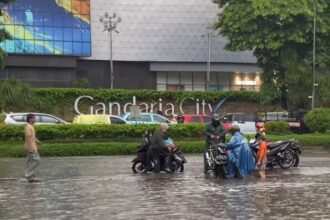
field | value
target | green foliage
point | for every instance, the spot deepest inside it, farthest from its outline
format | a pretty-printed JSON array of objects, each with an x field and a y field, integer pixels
[
  {"x": 280, "y": 33},
  {"x": 16, "y": 149},
  {"x": 2, "y": 117},
  {"x": 47, "y": 98},
  {"x": 82, "y": 82},
  {"x": 47, "y": 132},
  {"x": 277, "y": 127},
  {"x": 91, "y": 149},
  {"x": 14, "y": 93},
  {"x": 318, "y": 120}
]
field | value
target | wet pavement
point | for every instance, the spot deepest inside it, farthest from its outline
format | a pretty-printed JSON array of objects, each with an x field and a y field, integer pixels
[{"x": 106, "y": 188}]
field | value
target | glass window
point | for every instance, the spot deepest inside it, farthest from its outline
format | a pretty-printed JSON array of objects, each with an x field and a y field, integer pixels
[
  {"x": 49, "y": 47},
  {"x": 48, "y": 119},
  {"x": 67, "y": 47},
  {"x": 115, "y": 120},
  {"x": 207, "y": 119},
  {"x": 18, "y": 118},
  {"x": 86, "y": 48},
  {"x": 86, "y": 35},
  {"x": 58, "y": 20},
  {"x": 195, "y": 119},
  {"x": 160, "y": 119},
  {"x": 67, "y": 21},
  {"x": 77, "y": 35},
  {"x": 77, "y": 48},
  {"x": 67, "y": 34},
  {"x": 10, "y": 46},
  {"x": 58, "y": 47},
  {"x": 58, "y": 34},
  {"x": 49, "y": 33}
]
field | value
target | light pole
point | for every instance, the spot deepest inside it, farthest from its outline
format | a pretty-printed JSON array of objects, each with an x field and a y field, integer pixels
[
  {"x": 110, "y": 24},
  {"x": 314, "y": 50},
  {"x": 208, "y": 67}
]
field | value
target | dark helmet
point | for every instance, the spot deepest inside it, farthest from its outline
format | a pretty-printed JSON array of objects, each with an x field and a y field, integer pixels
[{"x": 215, "y": 120}]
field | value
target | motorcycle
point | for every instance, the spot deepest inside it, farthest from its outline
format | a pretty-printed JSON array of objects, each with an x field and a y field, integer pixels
[
  {"x": 217, "y": 159},
  {"x": 282, "y": 153},
  {"x": 140, "y": 161}
]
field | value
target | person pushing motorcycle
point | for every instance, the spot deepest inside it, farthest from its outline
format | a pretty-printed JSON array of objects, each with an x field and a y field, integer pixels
[{"x": 214, "y": 134}]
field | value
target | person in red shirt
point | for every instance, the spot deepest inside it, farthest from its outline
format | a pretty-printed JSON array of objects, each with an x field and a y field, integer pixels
[{"x": 262, "y": 157}]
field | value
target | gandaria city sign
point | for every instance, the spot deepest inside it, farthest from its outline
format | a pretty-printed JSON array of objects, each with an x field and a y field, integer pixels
[{"x": 168, "y": 108}]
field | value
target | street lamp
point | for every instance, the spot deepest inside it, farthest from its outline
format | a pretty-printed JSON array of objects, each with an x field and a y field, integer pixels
[
  {"x": 314, "y": 50},
  {"x": 208, "y": 70},
  {"x": 110, "y": 24}
]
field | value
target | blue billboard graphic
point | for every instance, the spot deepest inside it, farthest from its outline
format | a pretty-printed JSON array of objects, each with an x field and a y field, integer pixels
[{"x": 47, "y": 27}]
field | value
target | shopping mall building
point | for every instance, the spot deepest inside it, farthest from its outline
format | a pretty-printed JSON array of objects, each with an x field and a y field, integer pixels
[{"x": 160, "y": 44}]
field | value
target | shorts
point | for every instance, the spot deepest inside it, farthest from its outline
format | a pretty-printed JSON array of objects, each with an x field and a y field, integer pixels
[{"x": 262, "y": 165}]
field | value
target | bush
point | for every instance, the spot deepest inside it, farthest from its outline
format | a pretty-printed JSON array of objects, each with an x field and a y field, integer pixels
[
  {"x": 277, "y": 127},
  {"x": 72, "y": 131},
  {"x": 92, "y": 149},
  {"x": 318, "y": 120}
]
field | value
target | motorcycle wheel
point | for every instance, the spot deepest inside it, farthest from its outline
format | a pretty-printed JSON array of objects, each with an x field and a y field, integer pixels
[
  {"x": 138, "y": 167},
  {"x": 296, "y": 160},
  {"x": 288, "y": 160},
  {"x": 178, "y": 167}
]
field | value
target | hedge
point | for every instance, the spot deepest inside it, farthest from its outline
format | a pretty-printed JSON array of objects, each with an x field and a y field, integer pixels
[
  {"x": 91, "y": 149},
  {"x": 277, "y": 127},
  {"x": 318, "y": 120},
  {"x": 47, "y": 132},
  {"x": 46, "y": 98},
  {"x": 16, "y": 149}
]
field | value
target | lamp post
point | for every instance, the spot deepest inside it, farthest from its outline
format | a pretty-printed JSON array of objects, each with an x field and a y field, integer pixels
[
  {"x": 314, "y": 50},
  {"x": 208, "y": 67},
  {"x": 110, "y": 24}
]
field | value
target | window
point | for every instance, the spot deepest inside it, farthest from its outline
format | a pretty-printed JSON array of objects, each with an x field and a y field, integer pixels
[
  {"x": 160, "y": 119},
  {"x": 195, "y": 119},
  {"x": 48, "y": 119},
  {"x": 18, "y": 118},
  {"x": 115, "y": 120},
  {"x": 42, "y": 27}
]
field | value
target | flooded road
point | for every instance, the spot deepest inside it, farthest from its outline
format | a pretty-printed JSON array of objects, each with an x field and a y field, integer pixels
[{"x": 106, "y": 188}]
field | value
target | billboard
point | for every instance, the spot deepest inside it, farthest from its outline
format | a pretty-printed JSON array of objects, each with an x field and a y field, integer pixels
[{"x": 47, "y": 27}]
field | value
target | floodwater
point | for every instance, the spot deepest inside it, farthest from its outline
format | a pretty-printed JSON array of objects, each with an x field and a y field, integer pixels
[{"x": 106, "y": 188}]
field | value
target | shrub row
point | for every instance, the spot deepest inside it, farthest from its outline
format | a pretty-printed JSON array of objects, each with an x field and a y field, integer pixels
[
  {"x": 46, "y": 98},
  {"x": 91, "y": 149},
  {"x": 318, "y": 120},
  {"x": 16, "y": 149},
  {"x": 47, "y": 132},
  {"x": 277, "y": 127}
]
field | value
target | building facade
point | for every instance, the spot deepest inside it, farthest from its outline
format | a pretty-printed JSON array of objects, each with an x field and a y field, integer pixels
[{"x": 161, "y": 44}]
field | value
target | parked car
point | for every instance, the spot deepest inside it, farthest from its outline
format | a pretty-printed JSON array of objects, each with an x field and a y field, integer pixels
[
  {"x": 246, "y": 122},
  {"x": 187, "y": 119},
  {"x": 145, "y": 118},
  {"x": 41, "y": 119},
  {"x": 98, "y": 119}
]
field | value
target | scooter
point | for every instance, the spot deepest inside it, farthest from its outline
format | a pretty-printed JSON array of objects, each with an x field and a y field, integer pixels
[
  {"x": 217, "y": 159},
  {"x": 280, "y": 153}
]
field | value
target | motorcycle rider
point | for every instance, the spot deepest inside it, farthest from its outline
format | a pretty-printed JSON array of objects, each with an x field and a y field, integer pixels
[
  {"x": 158, "y": 148},
  {"x": 214, "y": 134}
]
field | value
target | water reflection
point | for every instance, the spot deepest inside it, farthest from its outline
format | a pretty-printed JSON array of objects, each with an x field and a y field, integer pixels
[{"x": 99, "y": 187}]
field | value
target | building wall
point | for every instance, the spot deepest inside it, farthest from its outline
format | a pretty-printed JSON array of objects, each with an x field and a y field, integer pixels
[
  {"x": 161, "y": 30},
  {"x": 41, "y": 71},
  {"x": 127, "y": 75}
]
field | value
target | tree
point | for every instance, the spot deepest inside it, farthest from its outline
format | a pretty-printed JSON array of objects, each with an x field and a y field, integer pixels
[
  {"x": 280, "y": 33},
  {"x": 14, "y": 94},
  {"x": 3, "y": 35}
]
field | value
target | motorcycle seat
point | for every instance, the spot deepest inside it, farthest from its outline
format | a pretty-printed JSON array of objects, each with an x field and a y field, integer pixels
[{"x": 276, "y": 144}]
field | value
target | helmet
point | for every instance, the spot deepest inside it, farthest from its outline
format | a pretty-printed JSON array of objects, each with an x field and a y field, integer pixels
[
  {"x": 216, "y": 117},
  {"x": 234, "y": 128}
]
